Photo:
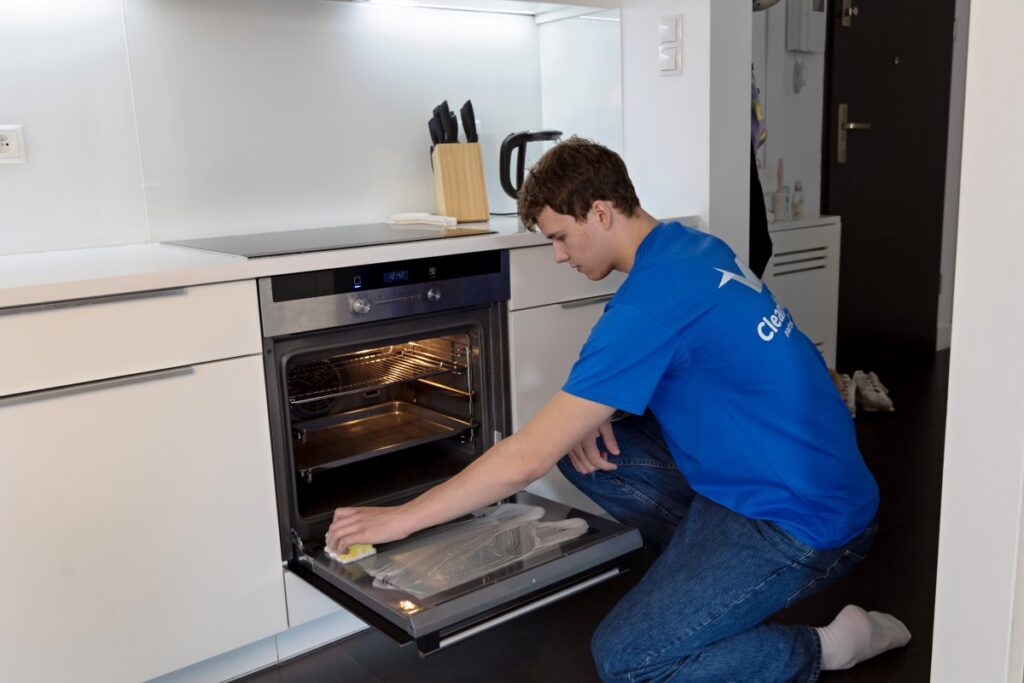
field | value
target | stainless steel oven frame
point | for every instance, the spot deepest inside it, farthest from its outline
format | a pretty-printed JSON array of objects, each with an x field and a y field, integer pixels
[{"x": 491, "y": 408}]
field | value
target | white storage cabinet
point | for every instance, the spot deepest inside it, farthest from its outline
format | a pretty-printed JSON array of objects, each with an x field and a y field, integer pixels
[
  {"x": 137, "y": 506},
  {"x": 803, "y": 274},
  {"x": 551, "y": 311}
]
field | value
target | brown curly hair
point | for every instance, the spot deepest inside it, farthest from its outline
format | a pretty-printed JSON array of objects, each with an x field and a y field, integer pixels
[{"x": 571, "y": 176}]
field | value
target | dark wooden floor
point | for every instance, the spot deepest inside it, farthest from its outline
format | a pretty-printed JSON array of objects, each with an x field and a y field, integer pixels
[{"x": 904, "y": 450}]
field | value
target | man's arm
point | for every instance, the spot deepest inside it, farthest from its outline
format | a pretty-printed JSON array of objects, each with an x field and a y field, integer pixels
[{"x": 506, "y": 468}]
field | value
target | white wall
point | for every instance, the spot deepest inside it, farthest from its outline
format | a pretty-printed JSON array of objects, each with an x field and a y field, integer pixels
[
  {"x": 666, "y": 119},
  {"x": 729, "y": 214},
  {"x": 581, "y": 62},
  {"x": 64, "y": 75},
  {"x": 794, "y": 120},
  {"x": 682, "y": 160},
  {"x": 230, "y": 116},
  {"x": 979, "y": 608}
]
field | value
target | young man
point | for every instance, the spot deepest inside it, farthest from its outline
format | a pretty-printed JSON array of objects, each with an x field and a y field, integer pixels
[{"x": 739, "y": 466}]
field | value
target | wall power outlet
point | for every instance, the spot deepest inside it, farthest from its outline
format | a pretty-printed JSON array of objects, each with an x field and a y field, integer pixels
[{"x": 12, "y": 145}]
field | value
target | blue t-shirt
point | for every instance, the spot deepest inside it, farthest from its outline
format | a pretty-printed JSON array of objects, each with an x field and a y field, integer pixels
[{"x": 743, "y": 398}]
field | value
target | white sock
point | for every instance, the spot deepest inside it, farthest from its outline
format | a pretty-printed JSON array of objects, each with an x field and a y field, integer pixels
[{"x": 855, "y": 635}]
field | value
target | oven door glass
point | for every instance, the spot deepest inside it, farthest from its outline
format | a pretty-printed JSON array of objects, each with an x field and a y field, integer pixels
[{"x": 437, "y": 617}]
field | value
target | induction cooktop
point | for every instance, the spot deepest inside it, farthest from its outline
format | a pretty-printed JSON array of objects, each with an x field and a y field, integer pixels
[{"x": 259, "y": 245}]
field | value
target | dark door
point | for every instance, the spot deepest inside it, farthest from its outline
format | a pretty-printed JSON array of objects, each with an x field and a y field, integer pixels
[{"x": 889, "y": 64}]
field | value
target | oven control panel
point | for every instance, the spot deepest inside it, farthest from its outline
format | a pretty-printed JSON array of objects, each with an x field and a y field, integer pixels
[
  {"x": 378, "y": 276},
  {"x": 301, "y": 302}
]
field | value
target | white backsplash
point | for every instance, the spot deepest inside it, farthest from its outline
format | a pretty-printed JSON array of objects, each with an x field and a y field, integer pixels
[
  {"x": 65, "y": 79},
  {"x": 154, "y": 120},
  {"x": 262, "y": 115},
  {"x": 581, "y": 63}
]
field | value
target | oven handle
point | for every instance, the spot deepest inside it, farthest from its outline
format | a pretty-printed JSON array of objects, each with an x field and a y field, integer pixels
[
  {"x": 587, "y": 302},
  {"x": 47, "y": 394},
  {"x": 526, "y": 609}
]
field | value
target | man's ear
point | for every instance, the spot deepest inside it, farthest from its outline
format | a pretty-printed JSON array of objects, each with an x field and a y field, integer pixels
[{"x": 603, "y": 212}]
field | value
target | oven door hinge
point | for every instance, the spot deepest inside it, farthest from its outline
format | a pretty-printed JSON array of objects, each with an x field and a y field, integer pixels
[{"x": 297, "y": 541}]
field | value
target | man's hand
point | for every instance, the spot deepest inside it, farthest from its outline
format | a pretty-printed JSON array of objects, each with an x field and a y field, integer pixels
[
  {"x": 366, "y": 525},
  {"x": 587, "y": 458}
]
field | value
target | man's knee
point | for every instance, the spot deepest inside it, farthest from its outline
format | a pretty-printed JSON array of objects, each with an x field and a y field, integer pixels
[
  {"x": 617, "y": 651},
  {"x": 630, "y": 654}
]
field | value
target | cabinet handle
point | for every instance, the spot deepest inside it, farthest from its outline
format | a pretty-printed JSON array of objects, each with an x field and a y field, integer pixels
[
  {"x": 46, "y": 394},
  {"x": 587, "y": 302},
  {"x": 75, "y": 303}
]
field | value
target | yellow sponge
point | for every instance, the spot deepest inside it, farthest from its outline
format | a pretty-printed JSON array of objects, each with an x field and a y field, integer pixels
[{"x": 356, "y": 551}]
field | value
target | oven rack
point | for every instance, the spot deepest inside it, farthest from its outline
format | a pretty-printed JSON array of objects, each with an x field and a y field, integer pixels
[
  {"x": 349, "y": 437},
  {"x": 371, "y": 369}
]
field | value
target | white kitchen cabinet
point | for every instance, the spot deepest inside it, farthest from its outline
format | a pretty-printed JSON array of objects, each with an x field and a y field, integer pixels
[
  {"x": 80, "y": 341},
  {"x": 803, "y": 274},
  {"x": 536, "y": 280},
  {"x": 138, "y": 517},
  {"x": 552, "y": 311}
]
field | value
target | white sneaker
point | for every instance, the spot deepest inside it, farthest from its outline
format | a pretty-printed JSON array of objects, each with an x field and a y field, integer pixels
[
  {"x": 849, "y": 393},
  {"x": 846, "y": 389},
  {"x": 871, "y": 393}
]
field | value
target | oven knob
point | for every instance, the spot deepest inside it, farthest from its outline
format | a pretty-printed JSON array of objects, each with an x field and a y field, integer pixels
[
  {"x": 361, "y": 306},
  {"x": 434, "y": 294}
]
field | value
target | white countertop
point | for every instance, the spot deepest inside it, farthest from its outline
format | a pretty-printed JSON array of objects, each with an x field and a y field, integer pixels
[{"x": 46, "y": 277}]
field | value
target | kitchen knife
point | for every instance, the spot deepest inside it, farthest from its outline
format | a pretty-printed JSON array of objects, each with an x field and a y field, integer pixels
[
  {"x": 436, "y": 131},
  {"x": 453, "y": 127},
  {"x": 446, "y": 121},
  {"x": 469, "y": 121},
  {"x": 442, "y": 114}
]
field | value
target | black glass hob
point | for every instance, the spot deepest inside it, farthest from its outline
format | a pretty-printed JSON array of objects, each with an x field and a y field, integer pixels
[{"x": 324, "y": 239}]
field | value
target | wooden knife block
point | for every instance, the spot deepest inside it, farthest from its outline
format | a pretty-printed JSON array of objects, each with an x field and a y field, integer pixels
[{"x": 459, "y": 188}]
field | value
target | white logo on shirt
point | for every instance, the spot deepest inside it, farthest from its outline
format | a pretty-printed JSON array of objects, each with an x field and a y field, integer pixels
[
  {"x": 771, "y": 324},
  {"x": 747, "y": 278}
]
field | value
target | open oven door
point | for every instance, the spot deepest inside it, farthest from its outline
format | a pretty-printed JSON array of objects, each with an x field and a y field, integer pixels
[{"x": 455, "y": 613}]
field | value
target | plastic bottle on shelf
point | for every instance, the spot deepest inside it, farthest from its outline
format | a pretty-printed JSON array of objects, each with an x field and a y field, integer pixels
[{"x": 797, "y": 205}]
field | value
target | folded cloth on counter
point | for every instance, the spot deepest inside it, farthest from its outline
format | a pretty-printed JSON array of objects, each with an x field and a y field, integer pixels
[{"x": 422, "y": 219}]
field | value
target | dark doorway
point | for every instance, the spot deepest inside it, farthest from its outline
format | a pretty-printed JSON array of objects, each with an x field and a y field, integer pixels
[{"x": 889, "y": 63}]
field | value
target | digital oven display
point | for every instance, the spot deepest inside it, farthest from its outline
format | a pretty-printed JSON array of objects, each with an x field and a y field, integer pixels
[{"x": 371, "y": 276}]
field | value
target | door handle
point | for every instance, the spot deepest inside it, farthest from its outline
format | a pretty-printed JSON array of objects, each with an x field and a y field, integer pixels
[
  {"x": 841, "y": 130},
  {"x": 849, "y": 11}
]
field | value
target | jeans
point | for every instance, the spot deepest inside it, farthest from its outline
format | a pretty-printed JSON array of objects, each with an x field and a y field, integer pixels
[{"x": 698, "y": 613}]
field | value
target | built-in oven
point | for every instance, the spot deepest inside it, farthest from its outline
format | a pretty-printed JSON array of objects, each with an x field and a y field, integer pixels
[{"x": 385, "y": 380}]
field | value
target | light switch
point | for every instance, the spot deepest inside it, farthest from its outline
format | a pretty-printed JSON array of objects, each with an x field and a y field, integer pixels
[
  {"x": 668, "y": 60},
  {"x": 670, "y": 45},
  {"x": 668, "y": 29}
]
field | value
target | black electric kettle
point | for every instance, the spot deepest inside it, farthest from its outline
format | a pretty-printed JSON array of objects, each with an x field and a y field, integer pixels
[{"x": 518, "y": 141}]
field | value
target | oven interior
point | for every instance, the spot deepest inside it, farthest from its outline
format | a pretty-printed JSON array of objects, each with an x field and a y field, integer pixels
[{"x": 381, "y": 422}]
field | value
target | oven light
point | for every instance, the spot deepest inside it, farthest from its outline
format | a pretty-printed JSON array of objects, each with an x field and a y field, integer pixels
[{"x": 408, "y": 606}]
